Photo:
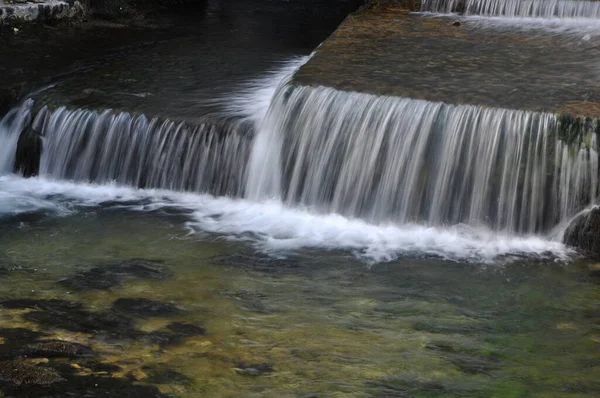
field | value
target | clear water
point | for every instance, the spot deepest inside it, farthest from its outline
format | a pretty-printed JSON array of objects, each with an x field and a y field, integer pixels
[{"x": 329, "y": 320}]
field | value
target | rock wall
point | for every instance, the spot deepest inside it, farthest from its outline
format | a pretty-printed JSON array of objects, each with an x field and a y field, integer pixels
[{"x": 409, "y": 5}]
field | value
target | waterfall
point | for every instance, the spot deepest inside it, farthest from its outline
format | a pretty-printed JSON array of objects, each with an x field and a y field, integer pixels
[
  {"x": 10, "y": 127},
  {"x": 517, "y": 8},
  {"x": 382, "y": 159},
  {"x": 403, "y": 160},
  {"x": 84, "y": 145}
]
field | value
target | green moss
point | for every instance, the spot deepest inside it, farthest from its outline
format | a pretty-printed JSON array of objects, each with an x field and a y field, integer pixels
[{"x": 577, "y": 130}]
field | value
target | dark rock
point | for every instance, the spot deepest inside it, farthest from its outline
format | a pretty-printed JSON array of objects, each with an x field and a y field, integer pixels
[
  {"x": 142, "y": 307},
  {"x": 104, "y": 277},
  {"x": 14, "y": 341},
  {"x": 161, "y": 374},
  {"x": 456, "y": 23},
  {"x": 159, "y": 337},
  {"x": 56, "y": 348},
  {"x": 258, "y": 369},
  {"x": 583, "y": 232},
  {"x": 99, "y": 366},
  {"x": 21, "y": 373},
  {"x": 57, "y": 306},
  {"x": 260, "y": 262},
  {"x": 8, "y": 98},
  {"x": 16, "y": 335},
  {"x": 77, "y": 385},
  {"x": 185, "y": 329},
  {"x": 29, "y": 150},
  {"x": 85, "y": 322}
]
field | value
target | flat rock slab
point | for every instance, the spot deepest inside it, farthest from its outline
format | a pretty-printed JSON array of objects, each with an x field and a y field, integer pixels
[{"x": 494, "y": 63}]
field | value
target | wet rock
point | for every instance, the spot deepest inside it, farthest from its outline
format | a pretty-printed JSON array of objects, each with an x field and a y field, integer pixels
[
  {"x": 583, "y": 232},
  {"x": 56, "y": 348},
  {"x": 456, "y": 23},
  {"x": 142, "y": 307},
  {"x": 85, "y": 322},
  {"x": 160, "y": 338},
  {"x": 104, "y": 277},
  {"x": 96, "y": 366},
  {"x": 78, "y": 385},
  {"x": 258, "y": 369},
  {"x": 17, "y": 335},
  {"x": 162, "y": 374},
  {"x": 21, "y": 373},
  {"x": 185, "y": 329},
  {"x": 14, "y": 341},
  {"x": 29, "y": 152},
  {"x": 57, "y": 306},
  {"x": 261, "y": 263},
  {"x": 595, "y": 271},
  {"x": 8, "y": 98}
]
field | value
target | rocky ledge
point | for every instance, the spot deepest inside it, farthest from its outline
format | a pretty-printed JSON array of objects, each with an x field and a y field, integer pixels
[{"x": 21, "y": 11}]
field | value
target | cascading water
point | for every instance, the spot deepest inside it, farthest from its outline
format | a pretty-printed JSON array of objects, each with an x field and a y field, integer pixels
[
  {"x": 403, "y": 160},
  {"x": 382, "y": 159},
  {"x": 10, "y": 127},
  {"x": 84, "y": 145},
  {"x": 517, "y": 8}
]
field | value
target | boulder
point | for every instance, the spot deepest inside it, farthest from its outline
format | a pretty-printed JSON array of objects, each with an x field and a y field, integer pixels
[{"x": 583, "y": 233}]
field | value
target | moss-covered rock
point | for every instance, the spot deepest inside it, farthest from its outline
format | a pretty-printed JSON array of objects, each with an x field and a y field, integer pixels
[{"x": 583, "y": 232}]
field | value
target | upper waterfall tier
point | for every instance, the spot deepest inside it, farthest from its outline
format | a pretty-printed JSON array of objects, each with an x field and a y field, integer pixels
[
  {"x": 517, "y": 8},
  {"x": 535, "y": 67}
]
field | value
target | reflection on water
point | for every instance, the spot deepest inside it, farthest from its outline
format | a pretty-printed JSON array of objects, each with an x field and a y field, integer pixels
[{"x": 315, "y": 323}]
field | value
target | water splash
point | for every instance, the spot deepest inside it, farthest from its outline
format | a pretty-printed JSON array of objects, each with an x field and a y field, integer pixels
[{"x": 277, "y": 229}]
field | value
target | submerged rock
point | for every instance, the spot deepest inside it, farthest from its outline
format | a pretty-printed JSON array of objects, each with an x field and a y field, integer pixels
[
  {"x": 162, "y": 374},
  {"x": 72, "y": 383},
  {"x": 258, "y": 369},
  {"x": 17, "y": 335},
  {"x": 185, "y": 329},
  {"x": 55, "y": 305},
  {"x": 108, "y": 276},
  {"x": 142, "y": 307},
  {"x": 56, "y": 348},
  {"x": 21, "y": 373},
  {"x": 85, "y": 322},
  {"x": 583, "y": 232}
]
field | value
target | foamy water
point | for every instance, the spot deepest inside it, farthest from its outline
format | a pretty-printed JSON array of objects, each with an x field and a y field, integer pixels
[{"x": 279, "y": 230}]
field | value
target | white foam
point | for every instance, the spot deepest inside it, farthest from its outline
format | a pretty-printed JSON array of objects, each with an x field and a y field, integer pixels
[{"x": 280, "y": 230}]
